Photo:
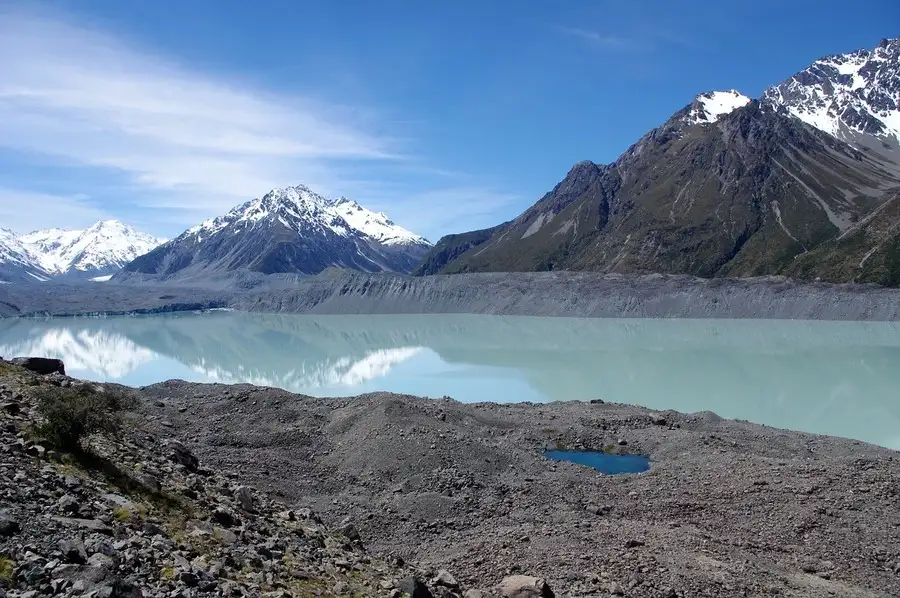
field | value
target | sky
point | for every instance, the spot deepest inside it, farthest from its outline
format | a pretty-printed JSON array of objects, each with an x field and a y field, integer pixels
[{"x": 448, "y": 116}]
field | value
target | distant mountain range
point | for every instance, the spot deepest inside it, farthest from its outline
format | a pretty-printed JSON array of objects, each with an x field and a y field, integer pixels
[
  {"x": 290, "y": 230},
  {"x": 93, "y": 253},
  {"x": 804, "y": 181}
]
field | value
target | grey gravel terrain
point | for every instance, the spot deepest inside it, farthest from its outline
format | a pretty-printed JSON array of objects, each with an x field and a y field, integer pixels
[
  {"x": 535, "y": 294},
  {"x": 727, "y": 509}
]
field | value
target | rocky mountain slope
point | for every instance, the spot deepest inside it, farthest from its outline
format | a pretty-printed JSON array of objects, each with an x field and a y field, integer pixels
[
  {"x": 727, "y": 187},
  {"x": 97, "y": 251},
  {"x": 287, "y": 230}
]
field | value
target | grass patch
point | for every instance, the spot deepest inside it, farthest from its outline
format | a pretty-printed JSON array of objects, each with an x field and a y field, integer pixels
[
  {"x": 7, "y": 566},
  {"x": 123, "y": 514}
]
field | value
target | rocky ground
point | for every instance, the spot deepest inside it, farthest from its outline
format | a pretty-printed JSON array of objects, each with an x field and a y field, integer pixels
[
  {"x": 462, "y": 492},
  {"x": 140, "y": 515},
  {"x": 581, "y": 294}
]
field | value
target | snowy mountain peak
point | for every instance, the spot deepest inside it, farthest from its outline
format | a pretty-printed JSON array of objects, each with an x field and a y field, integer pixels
[
  {"x": 709, "y": 107},
  {"x": 102, "y": 248},
  {"x": 17, "y": 262},
  {"x": 301, "y": 209},
  {"x": 851, "y": 96}
]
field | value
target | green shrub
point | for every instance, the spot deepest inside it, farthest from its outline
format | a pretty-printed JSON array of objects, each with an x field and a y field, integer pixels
[
  {"x": 7, "y": 567},
  {"x": 71, "y": 414}
]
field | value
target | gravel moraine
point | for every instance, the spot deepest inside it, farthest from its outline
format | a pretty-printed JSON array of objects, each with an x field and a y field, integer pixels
[{"x": 728, "y": 508}]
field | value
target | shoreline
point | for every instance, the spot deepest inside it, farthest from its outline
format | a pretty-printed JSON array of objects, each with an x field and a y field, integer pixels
[{"x": 555, "y": 294}]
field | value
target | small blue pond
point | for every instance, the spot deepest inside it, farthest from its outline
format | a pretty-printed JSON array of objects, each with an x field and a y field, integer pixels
[{"x": 607, "y": 463}]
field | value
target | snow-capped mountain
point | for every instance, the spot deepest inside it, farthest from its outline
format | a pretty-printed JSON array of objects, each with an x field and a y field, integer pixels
[
  {"x": 17, "y": 262},
  {"x": 854, "y": 97},
  {"x": 290, "y": 230},
  {"x": 94, "y": 252},
  {"x": 709, "y": 107}
]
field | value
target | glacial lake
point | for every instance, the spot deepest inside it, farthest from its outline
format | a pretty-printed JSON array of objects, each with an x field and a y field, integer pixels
[{"x": 839, "y": 378}]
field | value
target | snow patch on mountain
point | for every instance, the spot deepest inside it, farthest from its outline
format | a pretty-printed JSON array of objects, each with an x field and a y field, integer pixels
[
  {"x": 101, "y": 249},
  {"x": 847, "y": 95},
  {"x": 710, "y": 107}
]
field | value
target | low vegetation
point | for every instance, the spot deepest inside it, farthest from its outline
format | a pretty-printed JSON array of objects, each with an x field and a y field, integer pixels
[{"x": 70, "y": 414}]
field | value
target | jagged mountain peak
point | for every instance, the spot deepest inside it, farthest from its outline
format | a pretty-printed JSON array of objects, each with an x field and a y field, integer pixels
[
  {"x": 853, "y": 96},
  {"x": 709, "y": 107}
]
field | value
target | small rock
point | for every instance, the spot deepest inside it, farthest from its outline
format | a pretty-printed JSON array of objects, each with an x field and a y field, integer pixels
[
  {"x": 118, "y": 501},
  {"x": 414, "y": 588},
  {"x": 225, "y": 518},
  {"x": 615, "y": 589},
  {"x": 474, "y": 594},
  {"x": 524, "y": 586},
  {"x": 622, "y": 442},
  {"x": 658, "y": 419},
  {"x": 11, "y": 407},
  {"x": 73, "y": 551},
  {"x": 633, "y": 543},
  {"x": 149, "y": 482},
  {"x": 182, "y": 455},
  {"x": 444, "y": 578},
  {"x": 8, "y": 525},
  {"x": 93, "y": 525},
  {"x": 189, "y": 579},
  {"x": 68, "y": 504},
  {"x": 597, "y": 401},
  {"x": 243, "y": 495}
]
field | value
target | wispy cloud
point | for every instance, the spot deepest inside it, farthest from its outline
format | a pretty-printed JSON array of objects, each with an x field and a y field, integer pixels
[
  {"x": 648, "y": 40},
  {"x": 25, "y": 211},
  {"x": 599, "y": 39},
  {"x": 182, "y": 138}
]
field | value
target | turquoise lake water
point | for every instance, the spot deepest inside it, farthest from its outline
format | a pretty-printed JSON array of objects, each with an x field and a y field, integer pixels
[
  {"x": 839, "y": 378},
  {"x": 603, "y": 462}
]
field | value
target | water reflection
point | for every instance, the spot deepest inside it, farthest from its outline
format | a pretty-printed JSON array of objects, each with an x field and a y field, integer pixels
[{"x": 836, "y": 378}]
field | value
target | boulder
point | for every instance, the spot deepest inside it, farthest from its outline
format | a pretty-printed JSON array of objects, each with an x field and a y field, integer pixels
[
  {"x": 41, "y": 365},
  {"x": 182, "y": 455},
  {"x": 524, "y": 586}
]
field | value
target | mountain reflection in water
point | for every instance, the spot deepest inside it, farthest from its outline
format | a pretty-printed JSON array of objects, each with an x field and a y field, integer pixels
[{"x": 827, "y": 377}]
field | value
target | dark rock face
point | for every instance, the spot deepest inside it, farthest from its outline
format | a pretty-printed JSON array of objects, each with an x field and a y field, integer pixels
[
  {"x": 450, "y": 247},
  {"x": 41, "y": 365}
]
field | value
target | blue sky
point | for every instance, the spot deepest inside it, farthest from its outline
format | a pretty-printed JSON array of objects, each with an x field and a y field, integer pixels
[{"x": 448, "y": 116}]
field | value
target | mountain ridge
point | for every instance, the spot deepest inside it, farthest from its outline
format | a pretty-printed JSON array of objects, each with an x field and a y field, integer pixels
[
  {"x": 83, "y": 254},
  {"x": 288, "y": 230}
]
